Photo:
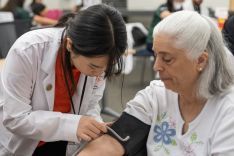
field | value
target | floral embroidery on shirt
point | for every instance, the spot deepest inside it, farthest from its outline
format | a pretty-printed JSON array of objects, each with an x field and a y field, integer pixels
[
  {"x": 188, "y": 147},
  {"x": 164, "y": 132}
]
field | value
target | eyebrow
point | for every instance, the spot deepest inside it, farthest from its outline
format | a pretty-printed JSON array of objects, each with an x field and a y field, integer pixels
[{"x": 162, "y": 53}]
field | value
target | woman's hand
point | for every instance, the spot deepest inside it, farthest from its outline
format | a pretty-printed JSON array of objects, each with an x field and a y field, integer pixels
[
  {"x": 109, "y": 124},
  {"x": 89, "y": 128}
]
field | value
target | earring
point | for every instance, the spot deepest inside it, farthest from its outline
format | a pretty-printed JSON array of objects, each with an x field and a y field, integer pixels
[{"x": 200, "y": 69}]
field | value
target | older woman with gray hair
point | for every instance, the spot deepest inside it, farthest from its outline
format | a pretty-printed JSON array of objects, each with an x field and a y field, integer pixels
[{"x": 191, "y": 110}]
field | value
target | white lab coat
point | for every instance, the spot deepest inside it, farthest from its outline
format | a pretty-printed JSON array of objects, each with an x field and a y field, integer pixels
[{"x": 26, "y": 103}]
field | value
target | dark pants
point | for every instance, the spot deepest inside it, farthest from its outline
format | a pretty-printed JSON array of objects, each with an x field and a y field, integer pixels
[{"x": 51, "y": 149}]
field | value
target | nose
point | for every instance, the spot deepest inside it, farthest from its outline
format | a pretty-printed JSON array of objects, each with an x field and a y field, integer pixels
[{"x": 157, "y": 65}]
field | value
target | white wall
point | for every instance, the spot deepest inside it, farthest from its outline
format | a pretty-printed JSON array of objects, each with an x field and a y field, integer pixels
[
  {"x": 132, "y": 4},
  {"x": 144, "y": 4},
  {"x": 63, "y": 4},
  {"x": 153, "y": 4}
]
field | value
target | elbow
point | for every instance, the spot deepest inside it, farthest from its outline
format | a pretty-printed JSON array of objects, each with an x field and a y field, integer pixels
[{"x": 11, "y": 124}]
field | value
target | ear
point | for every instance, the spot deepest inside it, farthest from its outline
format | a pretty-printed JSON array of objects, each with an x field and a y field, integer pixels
[
  {"x": 202, "y": 61},
  {"x": 69, "y": 44}
]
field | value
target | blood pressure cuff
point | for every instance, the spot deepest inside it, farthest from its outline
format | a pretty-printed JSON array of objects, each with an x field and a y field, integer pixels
[{"x": 128, "y": 125}]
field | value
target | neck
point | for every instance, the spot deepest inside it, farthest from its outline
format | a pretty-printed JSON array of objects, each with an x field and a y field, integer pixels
[
  {"x": 192, "y": 100},
  {"x": 190, "y": 107}
]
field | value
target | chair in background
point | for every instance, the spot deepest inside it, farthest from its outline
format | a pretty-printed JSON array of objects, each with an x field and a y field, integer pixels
[
  {"x": 8, "y": 37},
  {"x": 22, "y": 26},
  {"x": 137, "y": 37},
  {"x": 136, "y": 33},
  {"x": 7, "y": 31},
  {"x": 107, "y": 110}
]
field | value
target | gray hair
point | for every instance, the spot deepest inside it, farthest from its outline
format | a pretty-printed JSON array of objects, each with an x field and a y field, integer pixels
[{"x": 195, "y": 34}]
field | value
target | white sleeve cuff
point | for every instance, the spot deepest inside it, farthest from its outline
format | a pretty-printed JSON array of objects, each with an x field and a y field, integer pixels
[{"x": 69, "y": 126}]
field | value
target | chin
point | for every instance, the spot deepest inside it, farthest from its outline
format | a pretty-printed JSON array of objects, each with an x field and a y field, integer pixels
[
  {"x": 174, "y": 89},
  {"x": 169, "y": 86}
]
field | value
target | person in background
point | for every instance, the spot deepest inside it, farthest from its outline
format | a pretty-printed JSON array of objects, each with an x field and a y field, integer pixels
[
  {"x": 228, "y": 33},
  {"x": 41, "y": 20},
  {"x": 196, "y": 5},
  {"x": 161, "y": 12},
  {"x": 53, "y": 79},
  {"x": 190, "y": 112},
  {"x": 41, "y": 10},
  {"x": 16, "y": 7}
]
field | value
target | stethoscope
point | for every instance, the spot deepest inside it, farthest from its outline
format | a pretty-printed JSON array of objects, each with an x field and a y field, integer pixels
[
  {"x": 66, "y": 80},
  {"x": 81, "y": 100}
]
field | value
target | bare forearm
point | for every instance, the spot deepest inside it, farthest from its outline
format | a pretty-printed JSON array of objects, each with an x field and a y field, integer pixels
[
  {"x": 44, "y": 20},
  {"x": 103, "y": 146}
]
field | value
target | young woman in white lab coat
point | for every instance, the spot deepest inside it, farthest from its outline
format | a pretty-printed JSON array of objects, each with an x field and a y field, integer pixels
[{"x": 53, "y": 79}]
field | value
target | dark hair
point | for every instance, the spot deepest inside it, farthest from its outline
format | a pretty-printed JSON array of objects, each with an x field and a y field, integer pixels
[
  {"x": 228, "y": 33},
  {"x": 11, "y": 5},
  {"x": 99, "y": 30},
  {"x": 37, "y": 8},
  {"x": 170, "y": 5}
]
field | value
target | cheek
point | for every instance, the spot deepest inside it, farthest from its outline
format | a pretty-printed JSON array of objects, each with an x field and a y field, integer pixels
[
  {"x": 82, "y": 68},
  {"x": 86, "y": 70}
]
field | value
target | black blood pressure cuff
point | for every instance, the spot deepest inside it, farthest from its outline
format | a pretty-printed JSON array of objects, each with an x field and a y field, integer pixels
[{"x": 128, "y": 125}]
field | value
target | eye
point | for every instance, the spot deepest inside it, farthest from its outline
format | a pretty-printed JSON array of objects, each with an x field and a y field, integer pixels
[
  {"x": 168, "y": 60},
  {"x": 92, "y": 67}
]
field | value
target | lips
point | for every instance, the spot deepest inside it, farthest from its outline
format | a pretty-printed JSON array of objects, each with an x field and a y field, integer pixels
[{"x": 165, "y": 78}]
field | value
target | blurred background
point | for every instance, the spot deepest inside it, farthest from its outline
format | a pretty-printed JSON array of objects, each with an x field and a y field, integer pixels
[{"x": 138, "y": 14}]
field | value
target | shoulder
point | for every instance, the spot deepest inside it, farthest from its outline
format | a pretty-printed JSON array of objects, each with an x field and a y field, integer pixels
[
  {"x": 227, "y": 97},
  {"x": 35, "y": 38},
  {"x": 222, "y": 133},
  {"x": 36, "y": 45},
  {"x": 224, "y": 104},
  {"x": 157, "y": 85},
  {"x": 158, "y": 91},
  {"x": 40, "y": 35}
]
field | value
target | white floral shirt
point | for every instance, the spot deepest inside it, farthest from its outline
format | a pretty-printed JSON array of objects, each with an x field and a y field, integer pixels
[{"x": 211, "y": 133}]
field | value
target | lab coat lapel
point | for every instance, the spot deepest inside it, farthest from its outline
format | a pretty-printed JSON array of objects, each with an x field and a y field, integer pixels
[
  {"x": 77, "y": 98},
  {"x": 48, "y": 66},
  {"x": 87, "y": 94},
  {"x": 49, "y": 89}
]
